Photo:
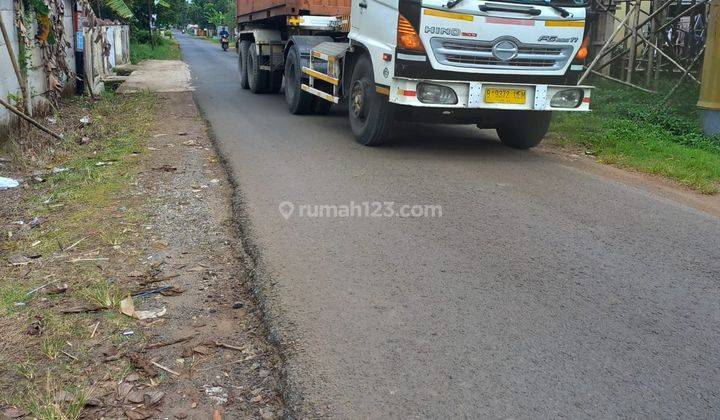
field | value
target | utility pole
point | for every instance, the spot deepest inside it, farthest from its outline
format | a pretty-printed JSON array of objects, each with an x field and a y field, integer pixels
[
  {"x": 709, "y": 101},
  {"x": 150, "y": 25}
]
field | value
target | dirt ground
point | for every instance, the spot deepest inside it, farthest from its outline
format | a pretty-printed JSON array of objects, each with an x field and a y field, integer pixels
[{"x": 205, "y": 356}]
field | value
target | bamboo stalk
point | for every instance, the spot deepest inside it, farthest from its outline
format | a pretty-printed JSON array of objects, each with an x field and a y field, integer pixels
[
  {"x": 633, "y": 43},
  {"x": 687, "y": 72},
  {"x": 602, "y": 49},
  {"x": 28, "y": 119},
  {"x": 622, "y": 82},
  {"x": 647, "y": 42}
]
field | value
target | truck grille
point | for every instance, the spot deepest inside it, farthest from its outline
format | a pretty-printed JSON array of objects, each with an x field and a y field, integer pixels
[{"x": 479, "y": 54}]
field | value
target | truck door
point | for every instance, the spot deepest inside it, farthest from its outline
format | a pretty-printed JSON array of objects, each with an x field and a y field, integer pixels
[{"x": 373, "y": 23}]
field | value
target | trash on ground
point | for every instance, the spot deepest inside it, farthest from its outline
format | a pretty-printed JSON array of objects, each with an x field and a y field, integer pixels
[
  {"x": 217, "y": 394},
  {"x": 58, "y": 170},
  {"x": 58, "y": 289},
  {"x": 6, "y": 183},
  {"x": 85, "y": 120},
  {"x": 127, "y": 307}
]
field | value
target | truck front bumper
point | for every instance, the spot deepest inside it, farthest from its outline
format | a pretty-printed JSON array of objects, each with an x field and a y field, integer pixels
[{"x": 491, "y": 95}]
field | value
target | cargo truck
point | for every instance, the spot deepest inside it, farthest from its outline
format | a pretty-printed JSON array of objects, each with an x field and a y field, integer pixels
[{"x": 504, "y": 64}]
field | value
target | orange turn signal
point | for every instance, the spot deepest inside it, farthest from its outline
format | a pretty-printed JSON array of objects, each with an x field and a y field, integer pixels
[
  {"x": 583, "y": 51},
  {"x": 407, "y": 38}
]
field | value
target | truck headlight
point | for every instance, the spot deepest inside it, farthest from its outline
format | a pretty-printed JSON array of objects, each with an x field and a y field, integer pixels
[
  {"x": 568, "y": 98},
  {"x": 429, "y": 93}
]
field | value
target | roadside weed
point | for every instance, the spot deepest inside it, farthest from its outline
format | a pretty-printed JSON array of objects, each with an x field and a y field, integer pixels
[{"x": 636, "y": 130}]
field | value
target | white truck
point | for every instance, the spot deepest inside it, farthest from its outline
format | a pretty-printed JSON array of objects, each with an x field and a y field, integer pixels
[{"x": 505, "y": 64}]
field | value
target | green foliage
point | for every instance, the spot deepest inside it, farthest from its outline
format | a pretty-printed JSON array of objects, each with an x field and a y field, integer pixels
[
  {"x": 120, "y": 8},
  {"x": 637, "y": 130},
  {"x": 37, "y": 6},
  {"x": 165, "y": 49},
  {"x": 212, "y": 13}
]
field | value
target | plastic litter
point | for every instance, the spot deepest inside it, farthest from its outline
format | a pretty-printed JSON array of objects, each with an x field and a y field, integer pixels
[{"x": 6, "y": 183}]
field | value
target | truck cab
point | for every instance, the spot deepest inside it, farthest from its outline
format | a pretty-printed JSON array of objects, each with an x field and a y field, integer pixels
[{"x": 497, "y": 64}]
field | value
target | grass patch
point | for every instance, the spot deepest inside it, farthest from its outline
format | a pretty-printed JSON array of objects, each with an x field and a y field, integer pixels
[
  {"x": 88, "y": 205},
  {"x": 165, "y": 49},
  {"x": 633, "y": 129}
]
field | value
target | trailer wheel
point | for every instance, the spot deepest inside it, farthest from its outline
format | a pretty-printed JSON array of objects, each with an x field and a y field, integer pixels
[
  {"x": 371, "y": 114},
  {"x": 524, "y": 130},
  {"x": 257, "y": 78},
  {"x": 242, "y": 63},
  {"x": 299, "y": 101}
]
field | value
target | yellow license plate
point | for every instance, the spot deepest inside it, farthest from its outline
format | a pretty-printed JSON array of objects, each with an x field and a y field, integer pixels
[{"x": 504, "y": 96}]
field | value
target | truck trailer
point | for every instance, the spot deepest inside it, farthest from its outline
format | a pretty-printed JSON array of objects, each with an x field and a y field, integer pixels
[{"x": 497, "y": 64}]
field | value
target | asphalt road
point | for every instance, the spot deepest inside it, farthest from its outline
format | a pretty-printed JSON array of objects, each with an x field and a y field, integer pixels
[{"x": 542, "y": 291}]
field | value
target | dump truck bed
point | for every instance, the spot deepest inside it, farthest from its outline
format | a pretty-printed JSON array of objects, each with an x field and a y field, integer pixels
[{"x": 259, "y": 10}]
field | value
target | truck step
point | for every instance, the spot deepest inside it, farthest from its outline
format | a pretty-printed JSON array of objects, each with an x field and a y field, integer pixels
[
  {"x": 319, "y": 93},
  {"x": 322, "y": 76}
]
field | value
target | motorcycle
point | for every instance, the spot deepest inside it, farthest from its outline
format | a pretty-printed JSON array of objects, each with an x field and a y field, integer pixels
[{"x": 225, "y": 42}]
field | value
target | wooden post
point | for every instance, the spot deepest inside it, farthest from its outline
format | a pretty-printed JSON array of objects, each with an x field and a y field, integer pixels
[
  {"x": 150, "y": 26},
  {"x": 650, "y": 52},
  {"x": 633, "y": 42}
]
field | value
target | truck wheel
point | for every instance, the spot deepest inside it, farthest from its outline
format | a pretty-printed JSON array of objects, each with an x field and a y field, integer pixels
[
  {"x": 257, "y": 79},
  {"x": 299, "y": 101},
  {"x": 242, "y": 63},
  {"x": 524, "y": 130},
  {"x": 371, "y": 115},
  {"x": 321, "y": 106}
]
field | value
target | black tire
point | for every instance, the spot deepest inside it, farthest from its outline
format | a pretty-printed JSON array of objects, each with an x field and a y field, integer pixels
[
  {"x": 524, "y": 130},
  {"x": 275, "y": 81},
  {"x": 371, "y": 115},
  {"x": 299, "y": 101},
  {"x": 321, "y": 106},
  {"x": 242, "y": 63},
  {"x": 257, "y": 79}
]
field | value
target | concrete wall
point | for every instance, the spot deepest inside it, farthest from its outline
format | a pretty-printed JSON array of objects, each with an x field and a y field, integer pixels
[
  {"x": 36, "y": 77},
  {"x": 97, "y": 65},
  {"x": 8, "y": 82}
]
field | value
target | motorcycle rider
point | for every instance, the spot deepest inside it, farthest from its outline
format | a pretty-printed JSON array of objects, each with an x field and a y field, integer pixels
[{"x": 224, "y": 38}]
